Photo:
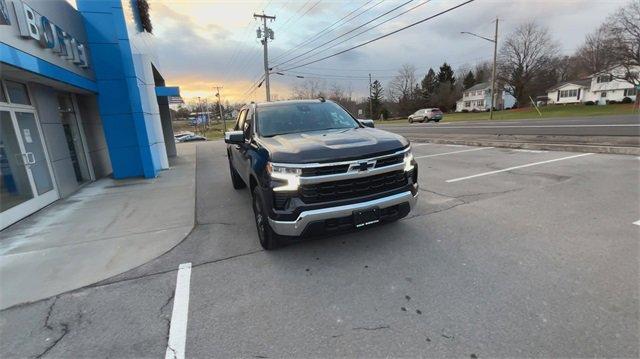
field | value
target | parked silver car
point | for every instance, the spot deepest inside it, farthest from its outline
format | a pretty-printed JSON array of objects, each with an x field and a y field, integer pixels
[{"x": 426, "y": 115}]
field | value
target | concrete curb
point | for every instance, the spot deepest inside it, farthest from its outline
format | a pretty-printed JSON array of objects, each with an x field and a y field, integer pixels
[{"x": 568, "y": 147}]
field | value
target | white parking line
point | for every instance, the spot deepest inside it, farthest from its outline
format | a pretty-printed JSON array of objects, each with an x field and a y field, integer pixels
[
  {"x": 179, "y": 314},
  {"x": 529, "y": 151},
  {"x": 516, "y": 167},
  {"x": 450, "y": 153},
  {"x": 420, "y": 144},
  {"x": 637, "y": 223}
]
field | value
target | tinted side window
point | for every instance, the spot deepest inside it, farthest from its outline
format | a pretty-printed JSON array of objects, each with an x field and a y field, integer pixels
[
  {"x": 241, "y": 119},
  {"x": 247, "y": 125}
]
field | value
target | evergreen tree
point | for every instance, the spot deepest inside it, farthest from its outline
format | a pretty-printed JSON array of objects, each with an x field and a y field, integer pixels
[
  {"x": 469, "y": 80},
  {"x": 445, "y": 75},
  {"x": 429, "y": 84},
  {"x": 376, "y": 99}
]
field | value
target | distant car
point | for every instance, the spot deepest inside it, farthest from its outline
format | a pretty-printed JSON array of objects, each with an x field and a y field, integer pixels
[
  {"x": 426, "y": 115},
  {"x": 192, "y": 138},
  {"x": 180, "y": 136}
]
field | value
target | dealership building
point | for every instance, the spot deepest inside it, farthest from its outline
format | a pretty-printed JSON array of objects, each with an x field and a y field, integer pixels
[{"x": 81, "y": 97}]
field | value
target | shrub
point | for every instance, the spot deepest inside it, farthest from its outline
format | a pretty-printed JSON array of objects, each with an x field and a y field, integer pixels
[
  {"x": 626, "y": 100},
  {"x": 474, "y": 110},
  {"x": 612, "y": 102},
  {"x": 589, "y": 103},
  {"x": 464, "y": 110}
]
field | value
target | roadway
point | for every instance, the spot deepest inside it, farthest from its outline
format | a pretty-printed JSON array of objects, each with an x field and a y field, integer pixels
[
  {"x": 509, "y": 253},
  {"x": 626, "y": 125}
]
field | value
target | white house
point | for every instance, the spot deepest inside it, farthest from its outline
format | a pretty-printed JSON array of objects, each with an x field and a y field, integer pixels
[
  {"x": 569, "y": 92},
  {"x": 600, "y": 88},
  {"x": 478, "y": 98},
  {"x": 607, "y": 86}
]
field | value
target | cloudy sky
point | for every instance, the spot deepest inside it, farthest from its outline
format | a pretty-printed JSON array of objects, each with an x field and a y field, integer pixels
[{"x": 206, "y": 43}]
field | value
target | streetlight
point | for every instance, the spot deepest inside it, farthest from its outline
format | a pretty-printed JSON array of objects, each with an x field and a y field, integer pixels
[{"x": 495, "y": 55}]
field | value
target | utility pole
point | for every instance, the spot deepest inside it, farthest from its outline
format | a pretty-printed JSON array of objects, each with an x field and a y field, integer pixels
[
  {"x": 493, "y": 76},
  {"x": 265, "y": 34},
  {"x": 224, "y": 122},
  {"x": 495, "y": 59},
  {"x": 370, "y": 100}
]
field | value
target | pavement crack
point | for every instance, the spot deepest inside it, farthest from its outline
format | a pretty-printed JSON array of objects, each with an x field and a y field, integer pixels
[
  {"x": 48, "y": 317},
  {"x": 438, "y": 211},
  {"x": 101, "y": 284},
  {"x": 372, "y": 328},
  {"x": 48, "y": 326},
  {"x": 436, "y": 193},
  {"x": 173, "y": 351}
]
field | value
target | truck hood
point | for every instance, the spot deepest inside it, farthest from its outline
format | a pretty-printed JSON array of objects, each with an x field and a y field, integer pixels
[{"x": 332, "y": 145}]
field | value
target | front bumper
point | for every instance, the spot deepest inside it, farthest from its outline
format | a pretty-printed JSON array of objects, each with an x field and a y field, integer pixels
[{"x": 297, "y": 227}]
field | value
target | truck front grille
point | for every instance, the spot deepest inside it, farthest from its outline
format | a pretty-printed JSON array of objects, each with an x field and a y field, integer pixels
[
  {"x": 324, "y": 170},
  {"x": 388, "y": 161},
  {"x": 352, "y": 188}
]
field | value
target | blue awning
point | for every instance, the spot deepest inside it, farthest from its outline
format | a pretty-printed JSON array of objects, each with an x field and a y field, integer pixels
[{"x": 167, "y": 91}]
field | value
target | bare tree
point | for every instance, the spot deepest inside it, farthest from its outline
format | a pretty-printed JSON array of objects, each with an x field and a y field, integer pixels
[
  {"x": 482, "y": 71},
  {"x": 524, "y": 58},
  {"x": 623, "y": 29},
  {"x": 403, "y": 83},
  {"x": 402, "y": 88},
  {"x": 308, "y": 89},
  {"x": 597, "y": 52}
]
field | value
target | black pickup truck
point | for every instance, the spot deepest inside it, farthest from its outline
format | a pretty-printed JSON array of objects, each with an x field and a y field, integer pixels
[{"x": 313, "y": 168}]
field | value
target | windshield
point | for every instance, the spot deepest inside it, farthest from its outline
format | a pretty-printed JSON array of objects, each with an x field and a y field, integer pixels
[{"x": 302, "y": 117}]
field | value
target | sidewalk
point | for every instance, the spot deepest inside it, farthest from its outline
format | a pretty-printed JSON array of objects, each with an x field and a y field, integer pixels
[{"x": 106, "y": 228}]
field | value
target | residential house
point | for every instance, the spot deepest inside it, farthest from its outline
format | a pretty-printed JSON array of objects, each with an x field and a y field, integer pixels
[
  {"x": 608, "y": 86},
  {"x": 569, "y": 92},
  {"x": 600, "y": 88},
  {"x": 478, "y": 98}
]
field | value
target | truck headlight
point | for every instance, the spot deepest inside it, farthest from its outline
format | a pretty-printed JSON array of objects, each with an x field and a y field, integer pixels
[
  {"x": 408, "y": 160},
  {"x": 291, "y": 176}
]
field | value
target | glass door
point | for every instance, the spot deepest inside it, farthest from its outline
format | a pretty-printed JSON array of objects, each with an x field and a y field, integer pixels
[
  {"x": 73, "y": 136},
  {"x": 26, "y": 181},
  {"x": 15, "y": 185}
]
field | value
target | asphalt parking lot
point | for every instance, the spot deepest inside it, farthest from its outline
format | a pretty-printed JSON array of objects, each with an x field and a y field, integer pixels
[{"x": 509, "y": 253}]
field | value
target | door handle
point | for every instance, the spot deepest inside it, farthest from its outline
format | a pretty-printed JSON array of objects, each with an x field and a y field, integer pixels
[{"x": 31, "y": 158}]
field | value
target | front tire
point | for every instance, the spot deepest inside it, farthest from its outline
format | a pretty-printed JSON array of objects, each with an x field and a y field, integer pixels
[
  {"x": 410, "y": 120},
  {"x": 268, "y": 238}
]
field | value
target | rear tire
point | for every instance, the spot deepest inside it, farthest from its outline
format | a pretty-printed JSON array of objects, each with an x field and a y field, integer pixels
[
  {"x": 268, "y": 238},
  {"x": 236, "y": 180}
]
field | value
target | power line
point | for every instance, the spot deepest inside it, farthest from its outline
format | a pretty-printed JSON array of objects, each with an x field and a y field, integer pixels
[
  {"x": 382, "y": 36},
  {"x": 346, "y": 33},
  {"x": 238, "y": 50},
  {"x": 365, "y": 30},
  {"x": 292, "y": 15},
  {"x": 322, "y": 32}
]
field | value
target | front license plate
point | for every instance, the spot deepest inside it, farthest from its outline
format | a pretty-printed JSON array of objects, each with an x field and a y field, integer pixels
[{"x": 366, "y": 217}]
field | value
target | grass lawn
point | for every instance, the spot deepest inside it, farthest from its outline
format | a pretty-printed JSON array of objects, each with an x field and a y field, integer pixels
[
  {"x": 212, "y": 131},
  {"x": 531, "y": 113}
]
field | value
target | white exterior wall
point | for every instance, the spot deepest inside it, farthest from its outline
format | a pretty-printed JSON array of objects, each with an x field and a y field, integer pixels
[
  {"x": 614, "y": 90},
  {"x": 460, "y": 105},
  {"x": 553, "y": 95}
]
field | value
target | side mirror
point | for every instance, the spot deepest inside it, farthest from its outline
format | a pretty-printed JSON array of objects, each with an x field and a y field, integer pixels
[
  {"x": 367, "y": 123},
  {"x": 234, "y": 137}
]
